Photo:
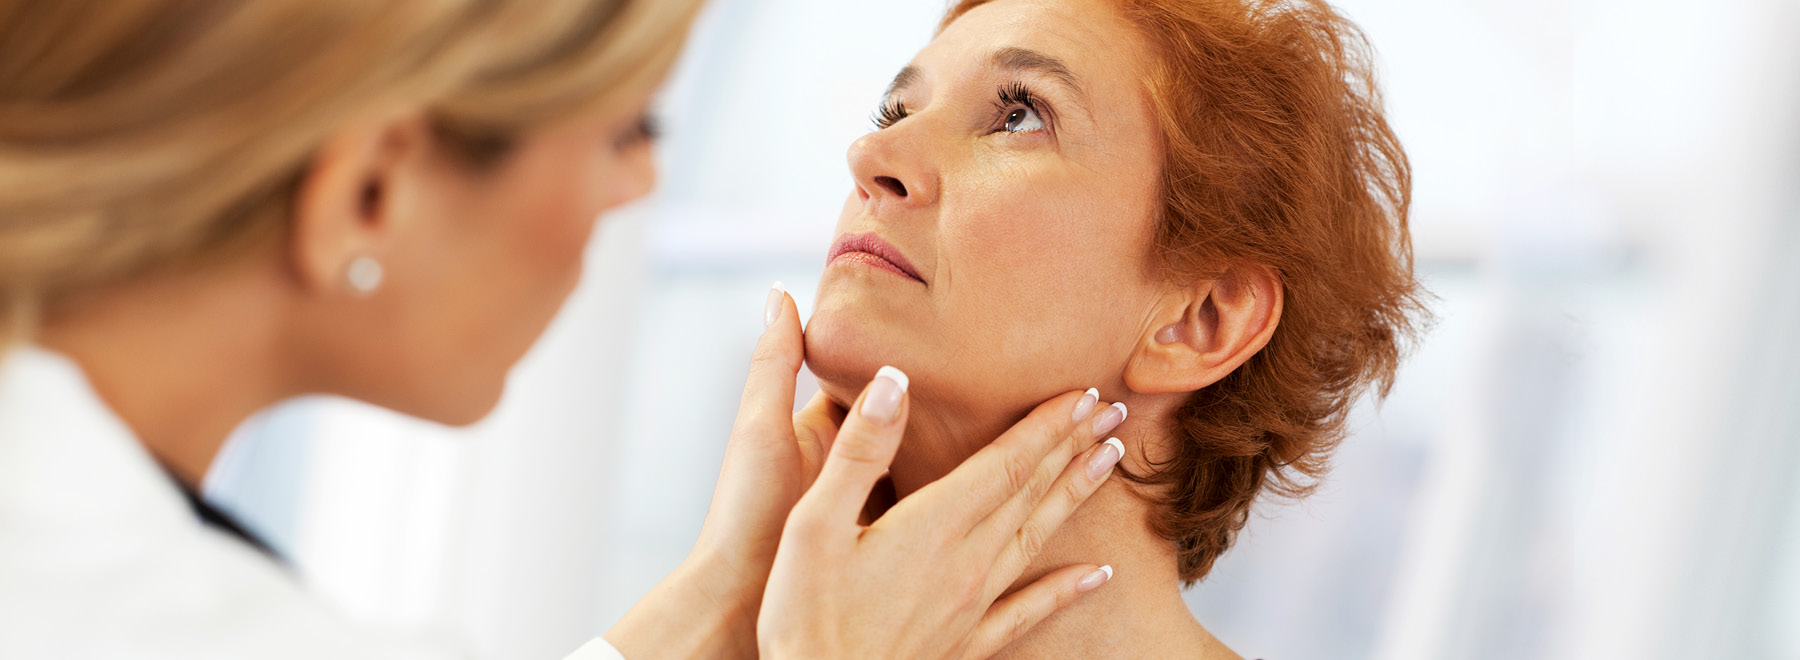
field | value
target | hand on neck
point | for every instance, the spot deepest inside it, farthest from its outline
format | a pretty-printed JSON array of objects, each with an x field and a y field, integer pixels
[{"x": 1139, "y": 613}]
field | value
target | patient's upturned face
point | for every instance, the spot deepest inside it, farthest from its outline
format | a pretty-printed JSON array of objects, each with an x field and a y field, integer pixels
[{"x": 997, "y": 243}]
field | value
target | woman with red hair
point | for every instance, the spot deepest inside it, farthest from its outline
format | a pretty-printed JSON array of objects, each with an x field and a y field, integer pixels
[{"x": 1196, "y": 204}]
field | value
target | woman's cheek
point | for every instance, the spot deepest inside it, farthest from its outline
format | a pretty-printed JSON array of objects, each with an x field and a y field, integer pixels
[{"x": 1029, "y": 248}]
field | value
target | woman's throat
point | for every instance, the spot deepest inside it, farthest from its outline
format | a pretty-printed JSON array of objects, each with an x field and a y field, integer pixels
[{"x": 937, "y": 441}]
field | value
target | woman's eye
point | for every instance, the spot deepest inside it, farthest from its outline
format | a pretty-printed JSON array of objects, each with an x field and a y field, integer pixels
[{"x": 1022, "y": 120}]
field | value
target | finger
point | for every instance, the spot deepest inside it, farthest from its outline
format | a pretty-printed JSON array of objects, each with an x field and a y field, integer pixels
[
  {"x": 862, "y": 450},
  {"x": 766, "y": 409},
  {"x": 994, "y": 475},
  {"x": 814, "y": 428},
  {"x": 1004, "y": 524},
  {"x": 1013, "y": 616},
  {"x": 1017, "y": 544}
]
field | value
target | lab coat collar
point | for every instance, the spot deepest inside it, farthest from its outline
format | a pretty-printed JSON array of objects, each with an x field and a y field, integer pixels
[{"x": 65, "y": 458}]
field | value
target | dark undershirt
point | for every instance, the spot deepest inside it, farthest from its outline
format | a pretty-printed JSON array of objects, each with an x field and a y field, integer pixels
[{"x": 223, "y": 522}]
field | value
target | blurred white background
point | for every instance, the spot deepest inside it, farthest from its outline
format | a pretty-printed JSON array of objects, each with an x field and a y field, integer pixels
[{"x": 1593, "y": 454}]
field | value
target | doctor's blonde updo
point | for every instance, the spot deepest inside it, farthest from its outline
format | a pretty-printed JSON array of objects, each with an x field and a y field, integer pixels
[{"x": 140, "y": 134}]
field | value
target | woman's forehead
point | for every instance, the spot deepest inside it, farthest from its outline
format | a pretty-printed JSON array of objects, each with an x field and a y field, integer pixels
[
  {"x": 1087, "y": 47},
  {"x": 1087, "y": 39}
]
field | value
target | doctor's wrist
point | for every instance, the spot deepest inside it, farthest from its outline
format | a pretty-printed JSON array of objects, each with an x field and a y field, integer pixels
[
  {"x": 702, "y": 609},
  {"x": 731, "y": 591}
]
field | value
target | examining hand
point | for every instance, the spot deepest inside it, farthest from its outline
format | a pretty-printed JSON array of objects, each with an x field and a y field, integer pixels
[{"x": 922, "y": 580}]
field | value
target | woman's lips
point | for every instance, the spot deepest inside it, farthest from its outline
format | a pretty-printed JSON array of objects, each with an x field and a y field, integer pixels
[{"x": 867, "y": 248}]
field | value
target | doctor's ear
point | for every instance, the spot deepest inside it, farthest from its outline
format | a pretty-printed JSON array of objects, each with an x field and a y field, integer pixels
[
  {"x": 347, "y": 210},
  {"x": 1199, "y": 334}
]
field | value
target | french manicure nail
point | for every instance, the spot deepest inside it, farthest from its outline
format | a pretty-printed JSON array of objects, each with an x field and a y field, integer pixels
[
  {"x": 882, "y": 402},
  {"x": 1086, "y": 404},
  {"x": 1109, "y": 418},
  {"x": 772, "y": 308},
  {"x": 1093, "y": 579},
  {"x": 1105, "y": 458}
]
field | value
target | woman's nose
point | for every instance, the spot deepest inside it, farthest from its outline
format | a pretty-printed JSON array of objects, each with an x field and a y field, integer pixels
[{"x": 890, "y": 167}]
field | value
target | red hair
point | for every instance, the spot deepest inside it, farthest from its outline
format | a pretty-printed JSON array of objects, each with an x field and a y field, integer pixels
[{"x": 1276, "y": 155}]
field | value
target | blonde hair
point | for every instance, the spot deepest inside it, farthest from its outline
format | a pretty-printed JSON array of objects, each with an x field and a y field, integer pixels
[{"x": 136, "y": 134}]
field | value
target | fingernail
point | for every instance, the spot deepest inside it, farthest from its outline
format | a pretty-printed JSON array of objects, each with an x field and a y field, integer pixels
[
  {"x": 1108, "y": 455},
  {"x": 883, "y": 400},
  {"x": 772, "y": 309},
  {"x": 1086, "y": 404},
  {"x": 1094, "y": 579},
  {"x": 1109, "y": 419}
]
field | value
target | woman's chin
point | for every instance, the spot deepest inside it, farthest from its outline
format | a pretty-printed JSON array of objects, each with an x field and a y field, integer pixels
[{"x": 844, "y": 350}]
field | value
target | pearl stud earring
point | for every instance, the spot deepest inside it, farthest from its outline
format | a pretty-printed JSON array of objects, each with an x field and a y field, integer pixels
[{"x": 364, "y": 275}]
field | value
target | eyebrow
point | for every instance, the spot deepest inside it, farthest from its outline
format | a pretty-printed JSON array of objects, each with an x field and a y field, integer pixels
[
  {"x": 903, "y": 80},
  {"x": 1011, "y": 58},
  {"x": 1024, "y": 59}
]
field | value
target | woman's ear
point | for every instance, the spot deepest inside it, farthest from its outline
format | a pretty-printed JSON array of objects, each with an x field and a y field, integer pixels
[
  {"x": 1199, "y": 334},
  {"x": 345, "y": 208}
]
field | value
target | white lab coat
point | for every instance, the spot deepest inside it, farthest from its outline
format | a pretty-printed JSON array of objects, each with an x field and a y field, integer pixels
[{"x": 101, "y": 556}]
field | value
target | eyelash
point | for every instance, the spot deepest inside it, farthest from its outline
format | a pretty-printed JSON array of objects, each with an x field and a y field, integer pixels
[
  {"x": 1016, "y": 94},
  {"x": 890, "y": 113},
  {"x": 1009, "y": 95}
]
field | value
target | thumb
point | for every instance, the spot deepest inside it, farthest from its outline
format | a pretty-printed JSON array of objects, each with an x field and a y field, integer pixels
[{"x": 863, "y": 449}]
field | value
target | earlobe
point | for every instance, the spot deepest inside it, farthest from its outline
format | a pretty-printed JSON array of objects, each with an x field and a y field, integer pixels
[
  {"x": 341, "y": 207},
  {"x": 364, "y": 275}
]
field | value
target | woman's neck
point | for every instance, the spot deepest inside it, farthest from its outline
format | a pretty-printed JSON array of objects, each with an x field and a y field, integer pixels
[
  {"x": 1139, "y": 613},
  {"x": 182, "y": 360}
]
